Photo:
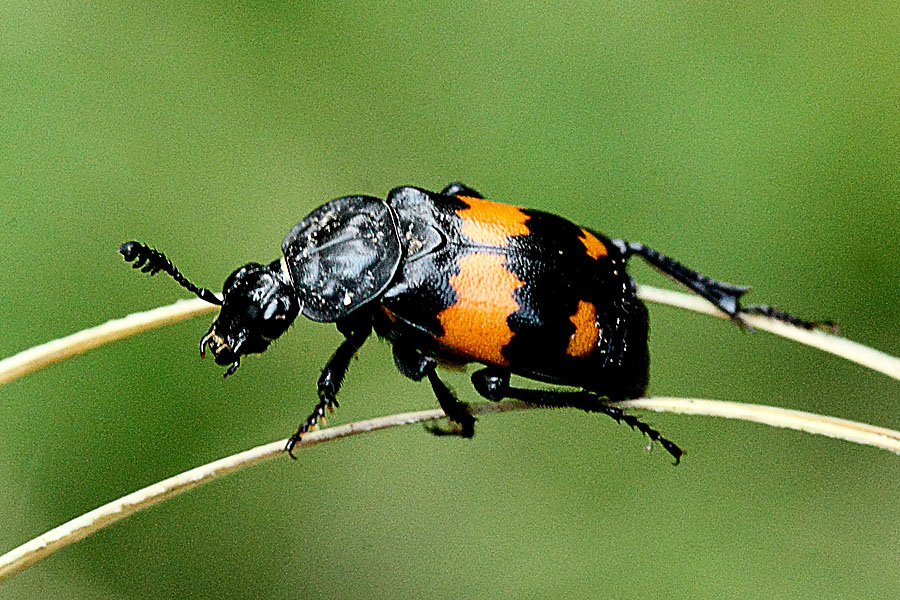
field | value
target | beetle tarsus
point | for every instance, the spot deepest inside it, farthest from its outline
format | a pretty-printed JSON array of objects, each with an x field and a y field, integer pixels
[
  {"x": 774, "y": 313},
  {"x": 456, "y": 410},
  {"x": 725, "y": 296},
  {"x": 331, "y": 379},
  {"x": 413, "y": 365},
  {"x": 588, "y": 402},
  {"x": 289, "y": 447}
]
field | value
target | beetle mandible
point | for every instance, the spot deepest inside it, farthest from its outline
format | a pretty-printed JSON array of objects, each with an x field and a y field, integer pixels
[{"x": 453, "y": 278}]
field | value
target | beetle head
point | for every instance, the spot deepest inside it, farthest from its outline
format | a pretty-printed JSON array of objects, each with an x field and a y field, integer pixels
[{"x": 259, "y": 305}]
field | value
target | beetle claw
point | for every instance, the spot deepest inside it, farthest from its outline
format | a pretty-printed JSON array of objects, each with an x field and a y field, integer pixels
[{"x": 233, "y": 367}]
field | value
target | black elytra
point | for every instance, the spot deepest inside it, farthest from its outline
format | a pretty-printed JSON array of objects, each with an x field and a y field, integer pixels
[{"x": 452, "y": 278}]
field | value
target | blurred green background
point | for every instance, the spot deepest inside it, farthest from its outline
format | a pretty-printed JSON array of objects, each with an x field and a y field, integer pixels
[{"x": 757, "y": 141}]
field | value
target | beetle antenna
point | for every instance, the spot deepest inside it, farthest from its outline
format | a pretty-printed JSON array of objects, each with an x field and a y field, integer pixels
[{"x": 152, "y": 261}]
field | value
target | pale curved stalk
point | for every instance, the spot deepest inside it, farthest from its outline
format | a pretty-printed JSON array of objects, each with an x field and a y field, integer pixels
[
  {"x": 80, "y": 527},
  {"x": 88, "y": 523},
  {"x": 851, "y": 431},
  {"x": 828, "y": 342},
  {"x": 38, "y": 357}
]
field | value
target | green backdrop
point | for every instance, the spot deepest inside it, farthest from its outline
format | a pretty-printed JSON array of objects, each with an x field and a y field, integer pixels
[{"x": 757, "y": 141}]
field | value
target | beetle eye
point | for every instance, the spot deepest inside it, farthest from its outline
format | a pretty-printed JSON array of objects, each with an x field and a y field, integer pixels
[
  {"x": 276, "y": 316},
  {"x": 271, "y": 309}
]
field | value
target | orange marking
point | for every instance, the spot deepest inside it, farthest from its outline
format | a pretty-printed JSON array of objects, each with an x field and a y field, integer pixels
[
  {"x": 584, "y": 340},
  {"x": 595, "y": 248},
  {"x": 475, "y": 326},
  {"x": 490, "y": 223},
  {"x": 389, "y": 314}
]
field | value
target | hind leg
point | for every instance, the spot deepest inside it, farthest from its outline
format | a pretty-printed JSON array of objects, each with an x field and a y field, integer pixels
[
  {"x": 493, "y": 384},
  {"x": 724, "y": 296}
]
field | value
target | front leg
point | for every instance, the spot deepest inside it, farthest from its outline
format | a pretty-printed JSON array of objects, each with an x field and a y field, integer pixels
[
  {"x": 415, "y": 366},
  {"x": 332, "y": 377}
]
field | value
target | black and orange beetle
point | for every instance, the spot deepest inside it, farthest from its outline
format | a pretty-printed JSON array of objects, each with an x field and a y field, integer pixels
[{"x": 453, "y": 278}]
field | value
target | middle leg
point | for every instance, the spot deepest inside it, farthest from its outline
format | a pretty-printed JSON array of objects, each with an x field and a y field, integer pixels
[{"x": 415, "y": 366}]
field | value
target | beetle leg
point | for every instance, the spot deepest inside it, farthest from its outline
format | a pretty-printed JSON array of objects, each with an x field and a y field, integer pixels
[
  {"x": 455, "y": 188},
  {"x": 493, "y": 384},
  {"x": 724, "y": 296},
  {"x": 415, "y": 366},
  {"x": 330, "y": 381},
  {"x": 456, "y": 410},
  {"x": 411, "y": 363},
  {"x": 774, "y": 313}
]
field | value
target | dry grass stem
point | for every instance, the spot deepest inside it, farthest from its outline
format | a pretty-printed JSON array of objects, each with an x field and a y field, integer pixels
[
  {"x": 851, "y": 431},
  {"x": 40, "y": 356},
  {"x": 827, "y": 342},
  {"x": 35, "y": 358},
  {"x": 88, "y": 523}
]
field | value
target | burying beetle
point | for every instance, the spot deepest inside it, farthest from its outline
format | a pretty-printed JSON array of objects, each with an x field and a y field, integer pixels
[{"x": 453, "y": 278}]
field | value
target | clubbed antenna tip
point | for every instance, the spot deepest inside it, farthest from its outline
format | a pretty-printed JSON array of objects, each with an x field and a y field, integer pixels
[{"x": 152, "y": 261}]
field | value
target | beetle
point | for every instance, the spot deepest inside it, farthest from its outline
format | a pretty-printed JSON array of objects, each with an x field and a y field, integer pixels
[{"x": 450, "y": 278}]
